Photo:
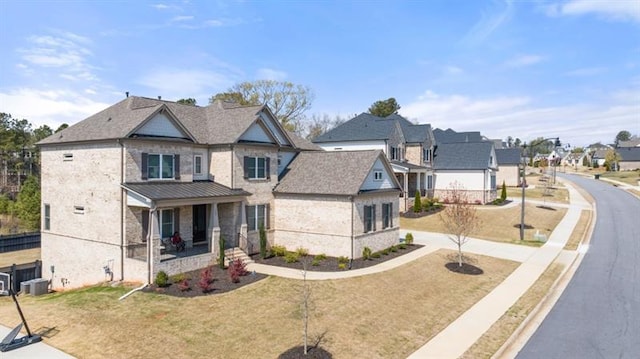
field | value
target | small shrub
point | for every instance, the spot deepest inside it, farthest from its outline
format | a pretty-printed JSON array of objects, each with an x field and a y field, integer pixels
[
  {"x": 343, "y": 259},
  {"x": 385, "y": 251},
  {"x": 162, "y": 279},
  {"x": 320, "y": 257},
  {"x": 437, "y": 205},
  {"x": 503, "y": 194},
  {"x": 291, "y": 257},
  {"x": 477, "y": 201},
  {"x": 402, "y": 246},
  {"x": 393, "y": 249},
  {"x": 315, "y": 262},
  {"x": 375, "y": 255},
  {"x": 184, "y": 285},
  {"x": 408, "y": 239},
  {"x": 206, "y": 278},
  {"x": 366, "y": 253},
  {"x": 179, "y": 278},
  {"x": 236, "y": 270},
  {"x": 302, "y": 252},
  {"x": 279, "y": 251},
  {"x": 342, "y": 266},
  {"x": 417, "y": 206}
]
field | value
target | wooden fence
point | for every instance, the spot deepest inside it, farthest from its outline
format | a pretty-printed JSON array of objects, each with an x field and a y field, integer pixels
[{"x": 18, "y": 242}]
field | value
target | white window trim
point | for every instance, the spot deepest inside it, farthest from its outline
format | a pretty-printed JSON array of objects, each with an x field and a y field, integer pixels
[
  {"x": 377, "y": 175},
  {"x": 67, "y": 157},
  {"x": 257, "y": 169},
  {"x": 256, "y": 207},
  {"x": 195, "y": 157},
  {"x": 78, "y": 209}
]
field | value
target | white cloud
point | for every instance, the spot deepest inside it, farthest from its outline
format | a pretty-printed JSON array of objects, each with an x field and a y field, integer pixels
[
  {"x": 270, "y": 74},
  {"x": 498, "y": 117},
  {"x": 180, "y": 83},
  {"x": 182, "y": 18},
  {"x": 49, "y": 107},
  {"x": 489, "y": 22},
  {"x": 453, "y": 70},
  {"x": 524, "y": 60},
  {"x": 587, "y": 71},
  {"x": 616, "y": 10}
]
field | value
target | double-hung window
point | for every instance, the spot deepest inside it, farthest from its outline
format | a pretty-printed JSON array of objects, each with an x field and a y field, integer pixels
[
  {"x": 430, "y": 182},
  {"x": 256, "y": 167},
  {"x": 427, "y": 155},
  {"x": 377, "y": 175},
  {"x": 370, "y": 218},
  {"x": 257, "y": 215},
  {"x": 159, "y": 166},
  {"x": 387, "y": 215},
  {"x": 166, "y": 223},
  {"x": 47, "y": 217},
  {"x": 197, "y": 165}
]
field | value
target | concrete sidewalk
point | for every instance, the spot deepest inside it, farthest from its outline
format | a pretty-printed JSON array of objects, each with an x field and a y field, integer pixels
[
  {"x": 460, "y": 335},
  {"x": 37, "y": 350}
]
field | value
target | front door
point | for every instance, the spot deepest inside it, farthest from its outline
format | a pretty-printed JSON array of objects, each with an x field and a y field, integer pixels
[{"x": 199, "y": 223}]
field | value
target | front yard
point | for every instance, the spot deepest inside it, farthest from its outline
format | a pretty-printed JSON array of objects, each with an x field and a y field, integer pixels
[{"x": 385, "y": 315}]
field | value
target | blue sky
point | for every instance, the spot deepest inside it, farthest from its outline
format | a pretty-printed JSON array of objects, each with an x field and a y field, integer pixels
[{"x": 568, "y": 68}]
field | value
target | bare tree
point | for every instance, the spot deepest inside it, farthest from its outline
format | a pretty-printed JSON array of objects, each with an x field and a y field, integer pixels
[
  {"x": 304, "y": 304},
  {"x": 459, "y": 217}
]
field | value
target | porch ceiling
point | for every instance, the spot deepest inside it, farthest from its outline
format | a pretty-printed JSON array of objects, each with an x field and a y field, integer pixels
[
  {"x": 162, "y": 191},
  {"x": 404, "y": 167}
]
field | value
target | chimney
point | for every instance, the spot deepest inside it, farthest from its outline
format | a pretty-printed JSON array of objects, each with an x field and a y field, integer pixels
[
  {"x": 159, "y": 97},
  {"x": 127, "y": 93}
]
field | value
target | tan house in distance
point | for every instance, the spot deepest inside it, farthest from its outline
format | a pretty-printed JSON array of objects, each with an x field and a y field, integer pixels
[{"x": 118, "y": 184}]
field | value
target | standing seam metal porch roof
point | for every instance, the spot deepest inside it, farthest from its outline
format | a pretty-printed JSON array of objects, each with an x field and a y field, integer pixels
[{"x": 183, "y": 190}]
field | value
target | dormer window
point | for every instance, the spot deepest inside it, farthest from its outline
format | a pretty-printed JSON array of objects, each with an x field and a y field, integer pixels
[
  {"x": 377, "y": 175},
  {"x": 427, "y": 155},
  {"x": 396, "y": 154}
]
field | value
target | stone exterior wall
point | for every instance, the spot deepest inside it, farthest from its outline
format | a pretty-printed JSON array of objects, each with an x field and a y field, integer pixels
[
  {"x": 327, "y": 224},
  {"x": 135, "y": 148},
  {"x": 221, "y": 164},
  {"x": 414, "y": 154}
]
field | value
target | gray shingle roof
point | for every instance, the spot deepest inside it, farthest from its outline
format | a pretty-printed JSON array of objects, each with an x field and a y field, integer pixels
[
  {"x": 218, "y": 123},
  {"x": 463, "y": 156},
  {"x": 508, "y": 156},
  {"x": 328, "y": 172},
  {"x": 183, "y": 190},
  {"x": 366, "y": 126},
  {"x": 629, "y": 153},
  {"x": 303, "y": 143},
  {"x": 451, "y": 136}
]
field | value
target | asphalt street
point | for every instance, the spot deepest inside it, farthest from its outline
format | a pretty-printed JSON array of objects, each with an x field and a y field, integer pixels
[{"x": 598, "y": 314}]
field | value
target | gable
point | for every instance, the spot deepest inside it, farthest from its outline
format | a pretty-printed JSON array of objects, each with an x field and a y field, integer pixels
[
  {"x": 256, "y": 133},
  {"x": 160, "y": 125},
  {"x": 275, "y": 129},
  {"x": 385, "y": 181}
]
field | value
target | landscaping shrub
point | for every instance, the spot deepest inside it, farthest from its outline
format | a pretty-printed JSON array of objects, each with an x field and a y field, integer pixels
[
  {"x": 343, "y": 259},
  {"x": 393, "y": 249},
  {"x": 178, "y": 278},
  {"x": 279, "y": 251},
  {"x": 162, "y": 279},
  {"x": 315, "y": 262},
  {"x": 408, "y": 239},
  {"x": 342, "y": 266},
  {"x": 402, "y": 246},
  {"x": 366, "y": 253},
  {"x": 302, "y": 252},
  {"x": 184, "y": 285},
  {"x": 291, "y": 257},
  {"x": 236, "y": 270},
  {"x": 375, "y": 255},
  {"x": 320, "y": 257},
  {"x": 417, "y": 206},
  {"x": 206, "y": 278},
  {"x": 263, "y": 241},
  {"x": 503, "y": 194},
  {"x": 385, "y": 251}
]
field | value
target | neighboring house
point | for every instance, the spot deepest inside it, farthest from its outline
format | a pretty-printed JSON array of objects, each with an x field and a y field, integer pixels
[
  {"x": 509, "y": 164},
  {"x": 633, "y": 142},
  {"x": 599, "y": 157},
  {"x": 472, "y": 165},
  {"x": 629, "y": 158},
  {"x": 576, "y": 160},
  {"x": 408, "y": 146},
  {"x": 337, "y": 203},
  {"x": 118, "y": 183}
]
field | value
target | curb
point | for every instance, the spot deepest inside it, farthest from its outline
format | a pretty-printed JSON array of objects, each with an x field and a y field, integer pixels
[{"x": 510, "y": 348}]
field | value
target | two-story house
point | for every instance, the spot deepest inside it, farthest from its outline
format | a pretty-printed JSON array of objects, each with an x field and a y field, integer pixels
[
  {"x": 116, "y": 185},
  {"x": 409, "y": 148}
]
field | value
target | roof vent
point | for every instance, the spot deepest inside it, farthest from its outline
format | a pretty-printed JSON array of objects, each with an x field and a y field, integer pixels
[
  {"x": 159, "y": 97},
  {"x": 127, "y": 93}
]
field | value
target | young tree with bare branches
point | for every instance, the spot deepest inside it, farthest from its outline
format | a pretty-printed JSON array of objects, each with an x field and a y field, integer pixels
[{"x": 459, "y": 217}]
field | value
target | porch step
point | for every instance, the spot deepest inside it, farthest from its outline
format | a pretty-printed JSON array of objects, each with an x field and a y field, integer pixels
[{"x": 234, "y": 254}]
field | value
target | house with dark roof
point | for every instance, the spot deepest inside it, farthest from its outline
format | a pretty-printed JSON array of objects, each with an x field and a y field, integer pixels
[
  {"x": 117, "y": 185},
  {"x": 629, "y": 158},
  {"x": 509, "y": 163},
  {"x": 470, "y": 166},
  {"x": 576, "y": 160},
  {"x": 408, "y": 146}
]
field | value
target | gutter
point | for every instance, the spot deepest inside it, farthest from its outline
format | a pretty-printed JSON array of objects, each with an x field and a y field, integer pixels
[{"x": 352, "y": 234}]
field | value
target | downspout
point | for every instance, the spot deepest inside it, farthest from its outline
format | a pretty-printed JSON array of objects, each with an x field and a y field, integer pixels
[
  {"x": 122, "y": 205},
  {"x": 352, "y": 222},
  {"x": 233, "y": 185}
]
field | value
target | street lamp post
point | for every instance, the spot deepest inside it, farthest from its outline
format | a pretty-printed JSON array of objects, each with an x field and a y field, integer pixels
[{"x": 556, "y": 144}]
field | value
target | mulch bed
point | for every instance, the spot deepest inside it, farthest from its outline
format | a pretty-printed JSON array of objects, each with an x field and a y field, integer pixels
[
  {"x": 465, "y": 269},
  {"x": 312, "y": 353},
  {"x": 330, "y": 264},
  {"x": 221, "y": 284},
  {"x": 411, "y": 214}
]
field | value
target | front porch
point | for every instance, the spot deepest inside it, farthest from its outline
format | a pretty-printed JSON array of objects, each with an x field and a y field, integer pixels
[
  {"x": 202, "y": 213},
  {"x": 412, "y": 178}
]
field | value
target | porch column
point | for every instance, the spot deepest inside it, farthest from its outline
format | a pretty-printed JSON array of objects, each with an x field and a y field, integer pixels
[
  {"x": 406, "y": 191},
  {"x": 213, "y": 232},
  {"x": 154, "y": 244},
  {"x": 243, "y": 222},
  {"x": 418, "y": 187}
]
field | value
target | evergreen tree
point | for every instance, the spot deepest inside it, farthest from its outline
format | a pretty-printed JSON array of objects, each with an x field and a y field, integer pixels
[
  {"x": 503, "y": 194},
  {"x": 28, "y": 204},
  {"x": 417, "y": 204}
]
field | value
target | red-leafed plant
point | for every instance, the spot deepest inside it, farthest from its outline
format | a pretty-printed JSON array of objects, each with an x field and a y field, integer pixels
[
  {"x": 206, "y": 278},
  {"x": 237, "y": 269},
  {"x": 184, "y": 285}
]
